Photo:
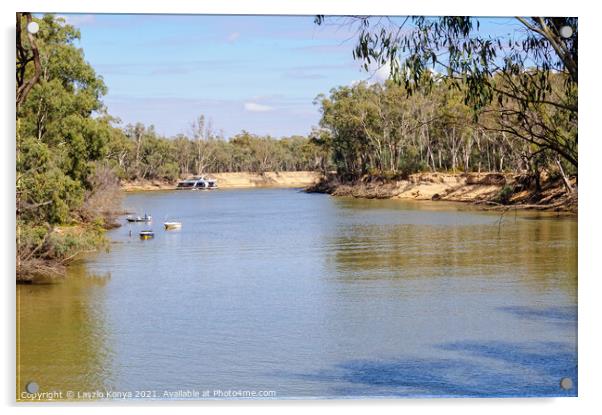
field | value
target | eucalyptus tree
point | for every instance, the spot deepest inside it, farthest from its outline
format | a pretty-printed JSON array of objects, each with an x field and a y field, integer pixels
[
  {"x": 529, "y": 78},
  {"x": 203, "y": 134},
  {"x": 61, "y": 142},
  {"x": 58, "y": 140},
  {"x": 380, "y": 129},
  {"x": 27, "y": 52}
]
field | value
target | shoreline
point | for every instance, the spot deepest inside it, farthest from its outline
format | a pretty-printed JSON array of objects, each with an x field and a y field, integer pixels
[
  {"x": 488, "y": 191},
  {"x": 481, "y": 190},
  {"x": 237, "y": 180}
]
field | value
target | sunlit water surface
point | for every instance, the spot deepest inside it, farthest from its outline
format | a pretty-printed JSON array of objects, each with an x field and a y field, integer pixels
[{"x": 312, "y": 296}]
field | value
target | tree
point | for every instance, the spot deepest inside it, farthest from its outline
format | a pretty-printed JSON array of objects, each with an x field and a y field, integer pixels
[
  {"x": 531, "y": 77},
  {"x": 25, "y": 55},
  {"x": 202, "y": 134},
  {"x": 380, "y": 129},
  {"x": 60, "y": 145}
]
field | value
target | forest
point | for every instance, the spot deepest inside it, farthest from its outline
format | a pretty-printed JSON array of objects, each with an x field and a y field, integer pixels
[
  {"x": 379, "y": 129},
  {"x": 457, "y": 99},
  {"x": 487, "y": 106},
  {"x": 137, "y": 152}
]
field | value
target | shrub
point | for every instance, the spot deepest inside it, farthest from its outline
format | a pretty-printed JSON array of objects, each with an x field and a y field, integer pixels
[{"x": 505, "y": 194}]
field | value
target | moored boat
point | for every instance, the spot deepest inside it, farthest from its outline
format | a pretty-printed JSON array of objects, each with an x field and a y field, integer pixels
[
  {"x": 145, "y": 218},
  {"x": 147, "y": 234},
  {"x": 172, "y": 225}
]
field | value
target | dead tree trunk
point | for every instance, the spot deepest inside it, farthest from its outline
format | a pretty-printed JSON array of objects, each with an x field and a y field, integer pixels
[
  {"x": 565, "y": 179},
  {"x": 23, "y": 58}
]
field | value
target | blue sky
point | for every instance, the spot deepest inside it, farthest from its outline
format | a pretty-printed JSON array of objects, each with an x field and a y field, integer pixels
[{"x": 258, "y": 73}]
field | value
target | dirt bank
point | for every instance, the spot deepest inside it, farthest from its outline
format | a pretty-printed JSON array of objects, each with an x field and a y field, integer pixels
[
  {"x": 237, "y": 180},
  {"x": 268, "y": 179},
  {"x": 491, "y": 190}
]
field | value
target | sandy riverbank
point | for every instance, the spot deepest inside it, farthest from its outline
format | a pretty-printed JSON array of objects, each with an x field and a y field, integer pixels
[
  {"x": 479, "y": 188},
  {"x": 237, "y": 180},
  {"x": 268, "y": 179}
]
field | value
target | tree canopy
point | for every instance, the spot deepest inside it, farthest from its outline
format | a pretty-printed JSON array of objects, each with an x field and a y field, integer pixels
[
  {"x": 529, "y": 78},
  {"x": 375, "y": 129},
  {"x": 61, "y": 141}
]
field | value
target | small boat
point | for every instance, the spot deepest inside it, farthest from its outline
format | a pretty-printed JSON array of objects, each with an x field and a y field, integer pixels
[
  {"x": 147, "y": 234},
  {"x": 145, "y": 218},
  {"x": 172, "y": 225}
]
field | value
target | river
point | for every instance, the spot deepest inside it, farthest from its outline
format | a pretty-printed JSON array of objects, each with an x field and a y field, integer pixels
[{"x": 307, "y": 295}]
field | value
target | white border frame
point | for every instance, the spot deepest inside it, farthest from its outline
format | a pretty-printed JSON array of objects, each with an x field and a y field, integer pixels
[{"x": 590, "y": 286}]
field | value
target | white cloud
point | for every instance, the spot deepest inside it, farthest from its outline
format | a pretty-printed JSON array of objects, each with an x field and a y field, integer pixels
[
  {"x": 233, "y": 36},
  {"x": 383, "y": 73},
  {"x": 255, "y": 107},
  {"x": 379, "y": 73}
]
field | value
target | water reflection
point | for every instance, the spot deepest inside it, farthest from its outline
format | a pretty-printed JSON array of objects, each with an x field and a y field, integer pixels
[
  {"x": 313, "y": 296},
  {"x": 479, "y": 369},
  {"x": 549, "y": 314},
  {"x": 63, "y": 341},
  {"x": 452, "y": 301},
  {"x": 541, "y": 253}
]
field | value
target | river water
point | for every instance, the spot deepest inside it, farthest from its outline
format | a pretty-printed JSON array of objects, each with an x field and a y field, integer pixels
[{"x": 287, "y": 294}]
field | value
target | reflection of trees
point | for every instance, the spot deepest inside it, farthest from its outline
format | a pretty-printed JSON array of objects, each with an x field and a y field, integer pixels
[
  {"x": 476, "y": 369},
  {"x": 62, "y": 335},
  {"x": 541, "y": 253}
]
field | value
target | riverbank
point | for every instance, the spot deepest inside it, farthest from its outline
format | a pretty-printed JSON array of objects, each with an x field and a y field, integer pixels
[
  {"x": 237, "y": 180},
  {"x": 46, "y": 252},
  {"x": 489, "y": 190}
]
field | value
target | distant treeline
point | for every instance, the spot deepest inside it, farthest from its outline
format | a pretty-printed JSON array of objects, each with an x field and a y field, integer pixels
[
  {"x": 138, "y": 152},
  {"x": 71, "y": 153},
  {"x": 459, "y": 98},
  {"x": 381, "y": 129}
]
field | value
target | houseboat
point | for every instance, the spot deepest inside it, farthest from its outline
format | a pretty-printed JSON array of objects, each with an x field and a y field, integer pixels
[{"x": 197, "y": 183}]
